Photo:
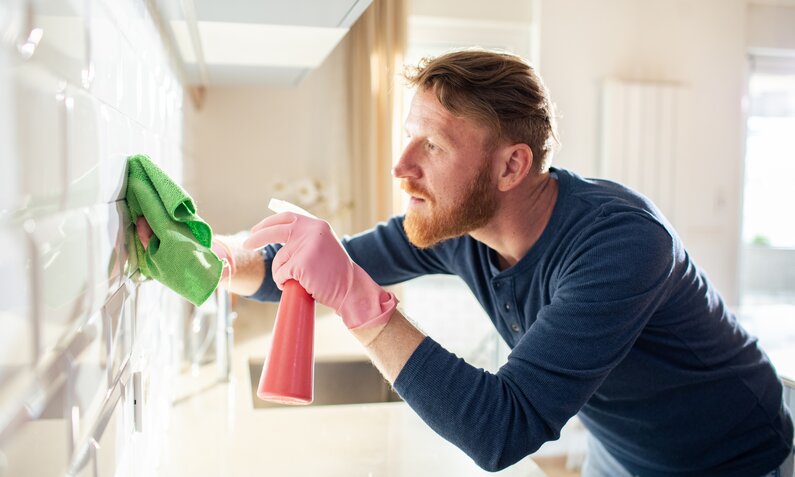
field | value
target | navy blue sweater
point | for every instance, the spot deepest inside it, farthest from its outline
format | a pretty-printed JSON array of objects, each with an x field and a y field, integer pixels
[{"x": 606, "y": 316}]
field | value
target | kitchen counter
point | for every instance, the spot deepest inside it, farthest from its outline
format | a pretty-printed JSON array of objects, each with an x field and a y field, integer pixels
[{"x": 216, "y": 431}]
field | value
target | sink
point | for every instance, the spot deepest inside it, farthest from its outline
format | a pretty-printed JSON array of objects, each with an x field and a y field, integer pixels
[{"x": 336, "y": 382}]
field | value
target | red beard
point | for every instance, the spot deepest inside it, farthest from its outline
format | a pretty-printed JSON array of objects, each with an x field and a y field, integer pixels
[{"x": 427, "y": 228}]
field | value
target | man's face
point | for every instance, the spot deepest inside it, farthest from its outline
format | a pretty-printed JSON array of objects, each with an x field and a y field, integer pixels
[{"x": 446, "y": 170}]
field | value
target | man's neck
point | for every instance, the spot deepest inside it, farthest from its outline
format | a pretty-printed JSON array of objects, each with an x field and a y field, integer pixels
[{"x": 521, "y": 217}]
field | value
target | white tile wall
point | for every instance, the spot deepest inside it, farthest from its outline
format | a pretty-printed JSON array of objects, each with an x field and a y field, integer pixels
[
  {"x": 9, "y": 187},
  {"x": 16, "y": 340},
  {"x": 58, "y": 264},
  {"x": 76, "y": 324},
  {"x": 39, "y": 117},
  {"x": 82, "y": 141}
]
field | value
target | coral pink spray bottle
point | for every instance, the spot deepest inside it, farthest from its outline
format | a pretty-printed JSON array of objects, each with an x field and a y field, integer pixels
[{"x": 288, "y": 374}]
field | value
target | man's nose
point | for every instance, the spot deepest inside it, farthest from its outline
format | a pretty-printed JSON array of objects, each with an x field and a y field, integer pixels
[{"x": 406, "y": 167}]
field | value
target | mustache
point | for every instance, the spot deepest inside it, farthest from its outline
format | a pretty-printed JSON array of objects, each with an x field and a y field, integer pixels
[{"x": 414, "y": 190}]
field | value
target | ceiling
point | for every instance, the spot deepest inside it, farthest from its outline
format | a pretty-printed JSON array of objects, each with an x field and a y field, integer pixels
[
  {"x": 268, "y": 42},
  {"x": 777, "y": 3}
]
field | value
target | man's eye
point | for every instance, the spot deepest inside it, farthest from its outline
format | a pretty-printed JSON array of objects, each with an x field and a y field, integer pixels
[{"x": 431, "y": 146}]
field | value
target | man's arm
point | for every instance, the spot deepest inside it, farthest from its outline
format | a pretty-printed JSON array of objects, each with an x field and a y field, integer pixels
[
  {"x": 384, "y": 252},
  {"x": 249, "y": 266},
  {"x": 597, "y": 311},
  {"x": 390, "y": 346}
]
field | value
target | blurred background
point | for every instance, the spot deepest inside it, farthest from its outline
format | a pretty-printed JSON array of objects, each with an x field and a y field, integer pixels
[{"x": 691, "y": 102}]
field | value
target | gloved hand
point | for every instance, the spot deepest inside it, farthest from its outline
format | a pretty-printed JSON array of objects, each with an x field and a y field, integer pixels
[
  {"x": 313, "y": 256},
  {"x": 219, "y": 248},
  {"x": 145, "y": 232}
]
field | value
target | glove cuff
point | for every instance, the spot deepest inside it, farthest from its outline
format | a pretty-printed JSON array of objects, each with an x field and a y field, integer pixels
[
  {"x": 224, "y": 252},
  {"x": 366, "y": 303}
]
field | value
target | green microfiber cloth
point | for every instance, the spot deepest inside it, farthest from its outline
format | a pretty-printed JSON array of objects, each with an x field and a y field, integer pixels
[{"x": 178, "y": 254}]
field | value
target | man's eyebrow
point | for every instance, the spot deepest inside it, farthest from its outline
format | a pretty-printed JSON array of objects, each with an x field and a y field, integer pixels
[
  {"x": 446, "y": 137},
  {"x": 434, "y": 132}
]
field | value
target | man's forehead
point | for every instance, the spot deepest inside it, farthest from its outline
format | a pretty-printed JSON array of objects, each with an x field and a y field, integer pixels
[
  {"x": 429, "y": 125},
  {"x": 429, "y": 116}
]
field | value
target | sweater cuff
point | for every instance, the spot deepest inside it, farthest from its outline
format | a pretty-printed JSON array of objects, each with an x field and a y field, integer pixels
[{"x": 267, "y": 291}]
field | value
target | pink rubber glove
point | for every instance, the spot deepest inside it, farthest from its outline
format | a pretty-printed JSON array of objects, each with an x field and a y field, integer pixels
[
  {"x": 144, "y": 231},
  {"x": 145, "y": 234},
  {"x": 225, "y": 254},
  {"x": 313, "y": 256}
]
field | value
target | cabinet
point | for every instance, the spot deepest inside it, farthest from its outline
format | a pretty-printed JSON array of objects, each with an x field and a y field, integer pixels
[{"x": 270, "y": 42}]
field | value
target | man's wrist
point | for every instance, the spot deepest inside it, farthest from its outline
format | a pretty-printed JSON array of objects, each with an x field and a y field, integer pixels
[
  {"x": 247, "y": 266},
  {"x": 391, "y": 345}
]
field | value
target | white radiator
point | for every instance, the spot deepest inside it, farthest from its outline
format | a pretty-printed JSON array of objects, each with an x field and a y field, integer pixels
[{"x": 639, "y": 138}]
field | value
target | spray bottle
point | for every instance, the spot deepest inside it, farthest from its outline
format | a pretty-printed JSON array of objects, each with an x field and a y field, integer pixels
[{"x": 288, "y": 374}]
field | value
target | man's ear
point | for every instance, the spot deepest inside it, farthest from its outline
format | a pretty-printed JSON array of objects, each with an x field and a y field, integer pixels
[{"x": 515, "y": 163}]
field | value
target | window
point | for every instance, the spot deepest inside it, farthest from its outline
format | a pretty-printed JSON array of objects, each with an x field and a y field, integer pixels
[
  {"x": 767, "y": 254},
  {"x": 768, "y": 233}
]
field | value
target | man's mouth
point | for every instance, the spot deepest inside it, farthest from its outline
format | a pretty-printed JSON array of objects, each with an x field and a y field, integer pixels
[
  {"x": 416, "y": 195},
  {"x": 415, "y": 200}
]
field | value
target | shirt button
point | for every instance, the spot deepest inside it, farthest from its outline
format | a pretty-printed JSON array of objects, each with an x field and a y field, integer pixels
[
  {"x": 515, "y": 327},
  {"x": 507, "y": 307},
  {"x": 497, "y": 285}
]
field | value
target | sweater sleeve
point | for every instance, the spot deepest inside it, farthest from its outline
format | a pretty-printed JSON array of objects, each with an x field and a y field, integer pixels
[
  {"x": 384, "y": 252},
  {"x": 611, "y": 281}
]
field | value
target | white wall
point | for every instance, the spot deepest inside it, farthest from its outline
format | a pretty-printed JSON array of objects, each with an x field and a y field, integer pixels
[
  {"x": 698, "y": 44},
  {"x": 76, "y": 327},
  {"x": 772, "y": 27},
  {"x": 244, "y": 139},
  {"x": 243, "y": 136}
]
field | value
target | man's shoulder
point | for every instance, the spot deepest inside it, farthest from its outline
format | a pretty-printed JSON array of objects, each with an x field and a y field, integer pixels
[{"x": 601, "y": 198}]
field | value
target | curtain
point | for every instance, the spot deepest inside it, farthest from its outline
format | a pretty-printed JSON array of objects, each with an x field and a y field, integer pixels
[{"x": 376, "y": 45}]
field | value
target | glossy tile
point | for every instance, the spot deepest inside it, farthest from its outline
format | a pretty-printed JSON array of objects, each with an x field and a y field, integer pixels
[
  {"x": 106, "y": 267},
  {"x": 117, "y": 317},
  {"x": 102, "y": 429},
  {"x": 137, "y": 31},
  {"x": 82, "y": 149},
  {"x": 126, "y": 252},
  {"x": 16, "y": 339},
  {"x": 89, "y": 467},
  {"x": 61, "y": 275},
  {"x": 131, "y": 69},
  {"x": 117, "y": 12},
  {"x": 79, "y": 396},
  {"x": 148, "y": 300},
  {"x": 40, "y": 141},
  {"x": 39, "y": 448},
  {"x": 153, "y": 146},
  {"x": 106, "y": 47},
  {"x": 115, "y": 139},
  {"x": 146, "y": 112},
  {"x": 108, "y": 448},
  {"x": 17, "y": 344},
  {"x": 96, "y": 88},
  {"x": 9, "y": 185},
  {"x": 64, "y": 45}
]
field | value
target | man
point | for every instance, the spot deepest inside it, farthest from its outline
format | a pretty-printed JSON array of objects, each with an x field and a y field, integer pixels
[{"x": 606, "y": 314}]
